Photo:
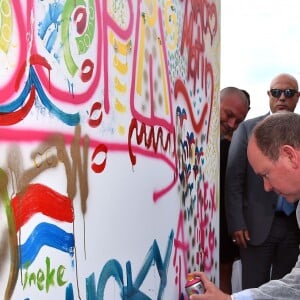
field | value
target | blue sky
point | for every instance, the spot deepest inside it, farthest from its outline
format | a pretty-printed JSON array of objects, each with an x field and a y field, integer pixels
[{"x": 259, "y": 39}]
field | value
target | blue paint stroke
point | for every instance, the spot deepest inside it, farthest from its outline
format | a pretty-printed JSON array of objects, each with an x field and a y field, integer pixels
[
  {"x": 90, "y": 287},
  {"x": 132, "y": 291},
  {"x": 111, "y": 269},
  {"x": 153, "y": 255},
  {"x": 45, "y": 234},
  {"x": 51, "y": 40},
  {"x": 69, "y": 119},
  {"x": 17, "y": 103},
  {"x": 69, "y": 292},
  {"x": 51, "y": 17},
  {"x": 184, "y": 146}
]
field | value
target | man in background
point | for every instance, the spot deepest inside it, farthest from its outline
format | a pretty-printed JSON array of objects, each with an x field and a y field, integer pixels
[{"x": 234, "y": 106}]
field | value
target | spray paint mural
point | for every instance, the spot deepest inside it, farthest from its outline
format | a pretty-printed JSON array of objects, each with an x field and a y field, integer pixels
[{"x": 109, "y": 147}]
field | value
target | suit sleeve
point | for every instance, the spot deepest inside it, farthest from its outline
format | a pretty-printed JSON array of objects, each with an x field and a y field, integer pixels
[{"x": 235, "y": 182}]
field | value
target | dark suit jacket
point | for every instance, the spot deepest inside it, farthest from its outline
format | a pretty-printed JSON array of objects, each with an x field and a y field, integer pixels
[
  {"x": 228, "y": 250},
  {"x": 247, "y": 204}
]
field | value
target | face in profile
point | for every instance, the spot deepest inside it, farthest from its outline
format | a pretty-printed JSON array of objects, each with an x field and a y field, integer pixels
[{"x": 279, "y": 176}]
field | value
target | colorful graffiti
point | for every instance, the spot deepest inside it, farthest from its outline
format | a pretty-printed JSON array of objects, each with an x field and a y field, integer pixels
[{"x": 109, "y": 139}]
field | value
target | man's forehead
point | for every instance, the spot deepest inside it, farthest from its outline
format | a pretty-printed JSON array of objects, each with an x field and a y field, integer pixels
[{"x": 283, "y": 80}]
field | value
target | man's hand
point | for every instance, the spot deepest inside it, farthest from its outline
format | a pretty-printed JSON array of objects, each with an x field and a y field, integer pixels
[
  {"x": 211, "y": 291},
  {"x": 240, "y": 238}
]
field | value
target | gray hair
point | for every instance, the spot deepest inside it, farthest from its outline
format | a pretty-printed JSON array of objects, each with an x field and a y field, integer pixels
[{"x": 282, "y": 128}]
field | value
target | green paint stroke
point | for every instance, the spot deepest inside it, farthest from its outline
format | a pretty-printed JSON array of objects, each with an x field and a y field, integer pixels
[
  {"x": 83, "y": 42},
  {"x": 13, "y": 240},
  {"x": 66, "y": 17}
]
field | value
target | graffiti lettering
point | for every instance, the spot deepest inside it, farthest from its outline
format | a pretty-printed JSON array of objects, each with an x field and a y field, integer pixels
[
  {"x": 113, "y": 269},
  {"x": 181, "y": 247},
  {"x": 196, "y": 25},
  {"x": 206, "y": 234},
  {"x": 44, "y": 279}
]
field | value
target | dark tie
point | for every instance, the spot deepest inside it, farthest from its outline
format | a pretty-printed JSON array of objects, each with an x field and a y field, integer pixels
[{"x": 285, "y": 206}]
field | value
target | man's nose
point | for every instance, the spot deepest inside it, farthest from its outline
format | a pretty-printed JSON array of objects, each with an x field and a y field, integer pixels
[
  {"x": 282, "y": 97},
  {"x": 232, "y": 123}
]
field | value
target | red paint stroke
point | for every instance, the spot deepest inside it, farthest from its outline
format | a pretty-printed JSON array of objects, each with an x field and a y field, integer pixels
[
  {"x": 41, "y": 199},
  {"x": 80, "y": 18},
  {"x": 87, "y": 70},
  {"x": 149, "y": 139},
  {"x": 211, "y": 20},
  {"x": 17, "y": 116},
  {"x": 98, "y": 168},
  {"x": 35, "y": 59},
  {"x": 180, "y": 88},
  {"x": 95, "y": 122},
  {"x": 181, "y": 249},
  {"x": 206, "y": 208}
]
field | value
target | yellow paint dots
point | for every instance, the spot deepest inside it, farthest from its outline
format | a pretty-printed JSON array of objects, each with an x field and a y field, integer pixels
[
  {"x": 120, "y": 66},
  {"x": 121, "y": 130},
  {"x": 171, "y": 25},
  {"x": 6, "y": 25},
  {"x": 121, "y": 108},
  {"x": 119, "y": 86},
  {"x": 120, "y": 48}
]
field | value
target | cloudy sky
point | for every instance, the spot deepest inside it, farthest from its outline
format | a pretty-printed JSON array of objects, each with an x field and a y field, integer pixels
[{"x": 259, "y": 39}]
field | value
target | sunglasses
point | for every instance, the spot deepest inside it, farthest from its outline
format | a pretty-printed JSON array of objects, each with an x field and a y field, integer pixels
[{"x": 288, "y": 93}]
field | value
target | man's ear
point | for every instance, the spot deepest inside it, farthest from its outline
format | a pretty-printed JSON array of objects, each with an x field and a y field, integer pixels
[{"x": 291, "y": 155}]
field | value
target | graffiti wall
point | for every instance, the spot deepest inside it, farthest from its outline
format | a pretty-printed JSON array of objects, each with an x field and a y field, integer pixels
[{"x": 109, "y": 137}]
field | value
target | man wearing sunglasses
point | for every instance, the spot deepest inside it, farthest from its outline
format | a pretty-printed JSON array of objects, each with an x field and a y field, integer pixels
[{"x": 267, "y": 236}]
